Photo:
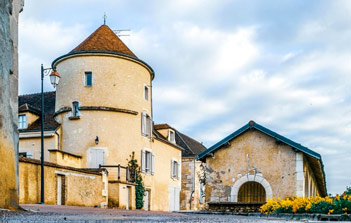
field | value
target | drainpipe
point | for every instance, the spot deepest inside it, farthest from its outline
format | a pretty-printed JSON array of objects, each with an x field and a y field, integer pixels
[{"x": 192, "y": 192}]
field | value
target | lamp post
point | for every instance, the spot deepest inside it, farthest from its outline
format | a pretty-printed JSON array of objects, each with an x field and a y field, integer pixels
[{"x": 54, "y": 79}]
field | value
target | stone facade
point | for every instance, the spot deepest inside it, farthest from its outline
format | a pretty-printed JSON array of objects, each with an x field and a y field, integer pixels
[
  {"x": 9, "y": 11},
  {"x": 80, "y": 187},
  {"x": 192, "y": 190},
  {"x": 256, "y": 157}
]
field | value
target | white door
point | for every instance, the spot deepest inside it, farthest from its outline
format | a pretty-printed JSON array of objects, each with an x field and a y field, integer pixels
[
  {"x": 146, "y": 200},
  {"x": 97, "y": 158},
  {"x": 127, "y": 204},
  {"x": 174, "y": 193},
  {"x": 59, "y": 189}
]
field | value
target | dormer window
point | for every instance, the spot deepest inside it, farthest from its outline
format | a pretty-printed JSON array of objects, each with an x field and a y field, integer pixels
[
  {"x": 171, "y": 136},
  {"x": 75, "y": 110},
  {"x": 22, "y": 121},
  {"x": 146, "y": 92},
  {"x": 88, "y": 79}
]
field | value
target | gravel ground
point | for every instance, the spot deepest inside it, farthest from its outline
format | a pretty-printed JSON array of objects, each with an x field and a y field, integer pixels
[{"x": 53, "y": 213}]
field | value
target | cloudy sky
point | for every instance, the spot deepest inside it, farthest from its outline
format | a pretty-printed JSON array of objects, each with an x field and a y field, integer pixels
[{"x": 219, "y": 64}]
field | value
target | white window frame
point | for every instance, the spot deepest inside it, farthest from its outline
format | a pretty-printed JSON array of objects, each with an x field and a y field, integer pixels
[
  {"x": 175, "y": 169},
  {"x": 85, "y": 78},
  {"x": 145, "y": 131},
  {"x": 22, "y": 124},
  {"x": 146, "y": 92},
  {"x": 169, "y": 136},
  {"x": 147, "y": 161}
]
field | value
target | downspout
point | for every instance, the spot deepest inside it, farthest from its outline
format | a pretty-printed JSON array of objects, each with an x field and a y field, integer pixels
[
  {"x": 58, "y": 140},
  {"x": 192, "y": 192}
]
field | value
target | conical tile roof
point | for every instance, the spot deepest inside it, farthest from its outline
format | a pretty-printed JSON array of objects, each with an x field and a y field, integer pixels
[{"x": 103, "y": 39}]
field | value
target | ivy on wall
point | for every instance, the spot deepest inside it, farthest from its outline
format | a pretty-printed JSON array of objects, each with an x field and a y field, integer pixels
[{"x": 135, "y": 177}]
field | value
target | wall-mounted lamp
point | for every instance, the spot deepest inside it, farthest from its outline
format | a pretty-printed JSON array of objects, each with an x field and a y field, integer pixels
[{"x": 97, "y": 140}]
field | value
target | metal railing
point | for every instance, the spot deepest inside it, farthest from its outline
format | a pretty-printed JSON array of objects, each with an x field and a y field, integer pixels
[{"x": 128, "y": 176}]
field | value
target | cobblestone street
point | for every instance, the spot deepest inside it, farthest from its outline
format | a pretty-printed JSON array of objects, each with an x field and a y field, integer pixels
[{"x": 53, "y": 213}]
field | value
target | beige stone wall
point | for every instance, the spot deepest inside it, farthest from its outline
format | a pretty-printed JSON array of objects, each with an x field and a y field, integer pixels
[
  {"x": 117, "y": 83},
  {"x": 189, "y": 191},
  {"x": 9, "y": 11},
  {"x": 250, "y": 153},
  {"x": 82, "y": 189},
  {"x": 33, "y": 145},
  {"x": 159, "y": 184},
  {"x": 65, "y": 159},
  {"x": 119, "y": 193}
]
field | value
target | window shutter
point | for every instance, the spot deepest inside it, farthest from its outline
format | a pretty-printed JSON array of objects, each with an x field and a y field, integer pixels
[
  {"x": 143, "y": 161},
  {"x": 172, "y": 170},
  {"x": 178, "y": 170},
  {"x": 143, "y": 123},
  {"x": 152, "y": 164},
  {"x": 150, "y": 127}
]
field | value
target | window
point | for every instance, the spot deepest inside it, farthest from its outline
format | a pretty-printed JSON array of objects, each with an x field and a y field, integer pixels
[
  {"x": 146, "y": 92},
  {"x": 26, "y": 154},
  {"x": 88, "y": 79},
  {"x": 22, "y": 121},
  {"x": 75, "y": 111},
  {"x": 146, "y": 125},
  {"x": 171, "y": 136},
  {"x": 147, "y": 161},
  {"x": 175, "y": 169}
]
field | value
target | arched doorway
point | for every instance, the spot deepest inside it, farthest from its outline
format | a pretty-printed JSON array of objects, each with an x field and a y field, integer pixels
[
  {"x": 252, "y": 192},
  {"x": 251, "y": 178}
]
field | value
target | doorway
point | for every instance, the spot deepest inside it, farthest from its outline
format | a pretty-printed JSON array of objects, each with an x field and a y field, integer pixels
[
  {"x": 61, "y": 190},
  {"x": 174, "y": 193},
  {"x": 147, "y": 196}
]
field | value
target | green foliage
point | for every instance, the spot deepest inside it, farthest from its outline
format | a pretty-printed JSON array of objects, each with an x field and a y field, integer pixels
[
  {"x": 135, "y": 177},
  {"x": 348, "y": 190},
  {"x": 321, "y": 207}
]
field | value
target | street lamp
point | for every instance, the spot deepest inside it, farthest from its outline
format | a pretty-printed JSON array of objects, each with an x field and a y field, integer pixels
[{"x": 54, "y": 79}]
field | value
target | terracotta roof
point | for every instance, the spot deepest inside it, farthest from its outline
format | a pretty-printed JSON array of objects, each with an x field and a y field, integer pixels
[
  {"x": 33, "y": 103},
  {"x": 103, "y": 39}
]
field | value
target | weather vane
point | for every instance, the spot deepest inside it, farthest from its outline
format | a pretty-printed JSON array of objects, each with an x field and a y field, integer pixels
[{"x": 105, "y": 18}]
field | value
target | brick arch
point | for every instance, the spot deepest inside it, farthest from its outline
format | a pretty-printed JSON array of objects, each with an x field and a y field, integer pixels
[{"x": 247, "y": 178}]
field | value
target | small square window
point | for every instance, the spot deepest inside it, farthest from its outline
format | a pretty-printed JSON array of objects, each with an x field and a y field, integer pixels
[{"x": 88, "y": 79}]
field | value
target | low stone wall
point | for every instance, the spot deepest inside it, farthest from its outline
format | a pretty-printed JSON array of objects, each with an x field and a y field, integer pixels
[
  {"x": 236, "y": 207},
  {"x": 81, "y": 187}
]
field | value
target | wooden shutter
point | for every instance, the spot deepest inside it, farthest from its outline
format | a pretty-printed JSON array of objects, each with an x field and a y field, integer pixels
[
  {"x": 143, "y": 161},
  {"x": 143, "y": 123},
  {"x": 178, "y": 170},
  {"x": 152, "y": 163},
  {"x": 172, "y": 168}
]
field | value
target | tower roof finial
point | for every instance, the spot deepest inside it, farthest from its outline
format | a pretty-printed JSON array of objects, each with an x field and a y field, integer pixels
[{"x": 105, "y": 18}]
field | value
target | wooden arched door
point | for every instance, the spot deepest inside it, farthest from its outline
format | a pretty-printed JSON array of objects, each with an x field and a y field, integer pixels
[{"x": 252, "y": 192}]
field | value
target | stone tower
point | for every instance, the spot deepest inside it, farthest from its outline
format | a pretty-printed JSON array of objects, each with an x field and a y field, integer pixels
[
  {"x": 103, "y": 97},
  {"x": 9, "y": 11}
]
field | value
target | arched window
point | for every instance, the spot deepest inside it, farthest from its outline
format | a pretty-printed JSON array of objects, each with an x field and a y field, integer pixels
[{"x": 252, "y": 192}]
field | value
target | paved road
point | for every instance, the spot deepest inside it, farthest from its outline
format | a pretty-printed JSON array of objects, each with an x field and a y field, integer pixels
[{"x": 54, "y": 213}]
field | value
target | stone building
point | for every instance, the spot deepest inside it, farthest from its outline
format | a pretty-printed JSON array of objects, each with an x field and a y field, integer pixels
[
  {"x": 100, "y": 114},
  {"x": 254, "y": 164},
  {"x": 191, "y": 193},
  {"x": 9, "y": 11}
]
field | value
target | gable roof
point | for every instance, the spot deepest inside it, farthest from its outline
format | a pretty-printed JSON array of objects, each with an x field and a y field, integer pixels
[
  {"x": 32, "y": 103},
  {"x": 190, "y": 146},
  {"x": 103, "y": 39},
  {"x": 314, "y": 158}
]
